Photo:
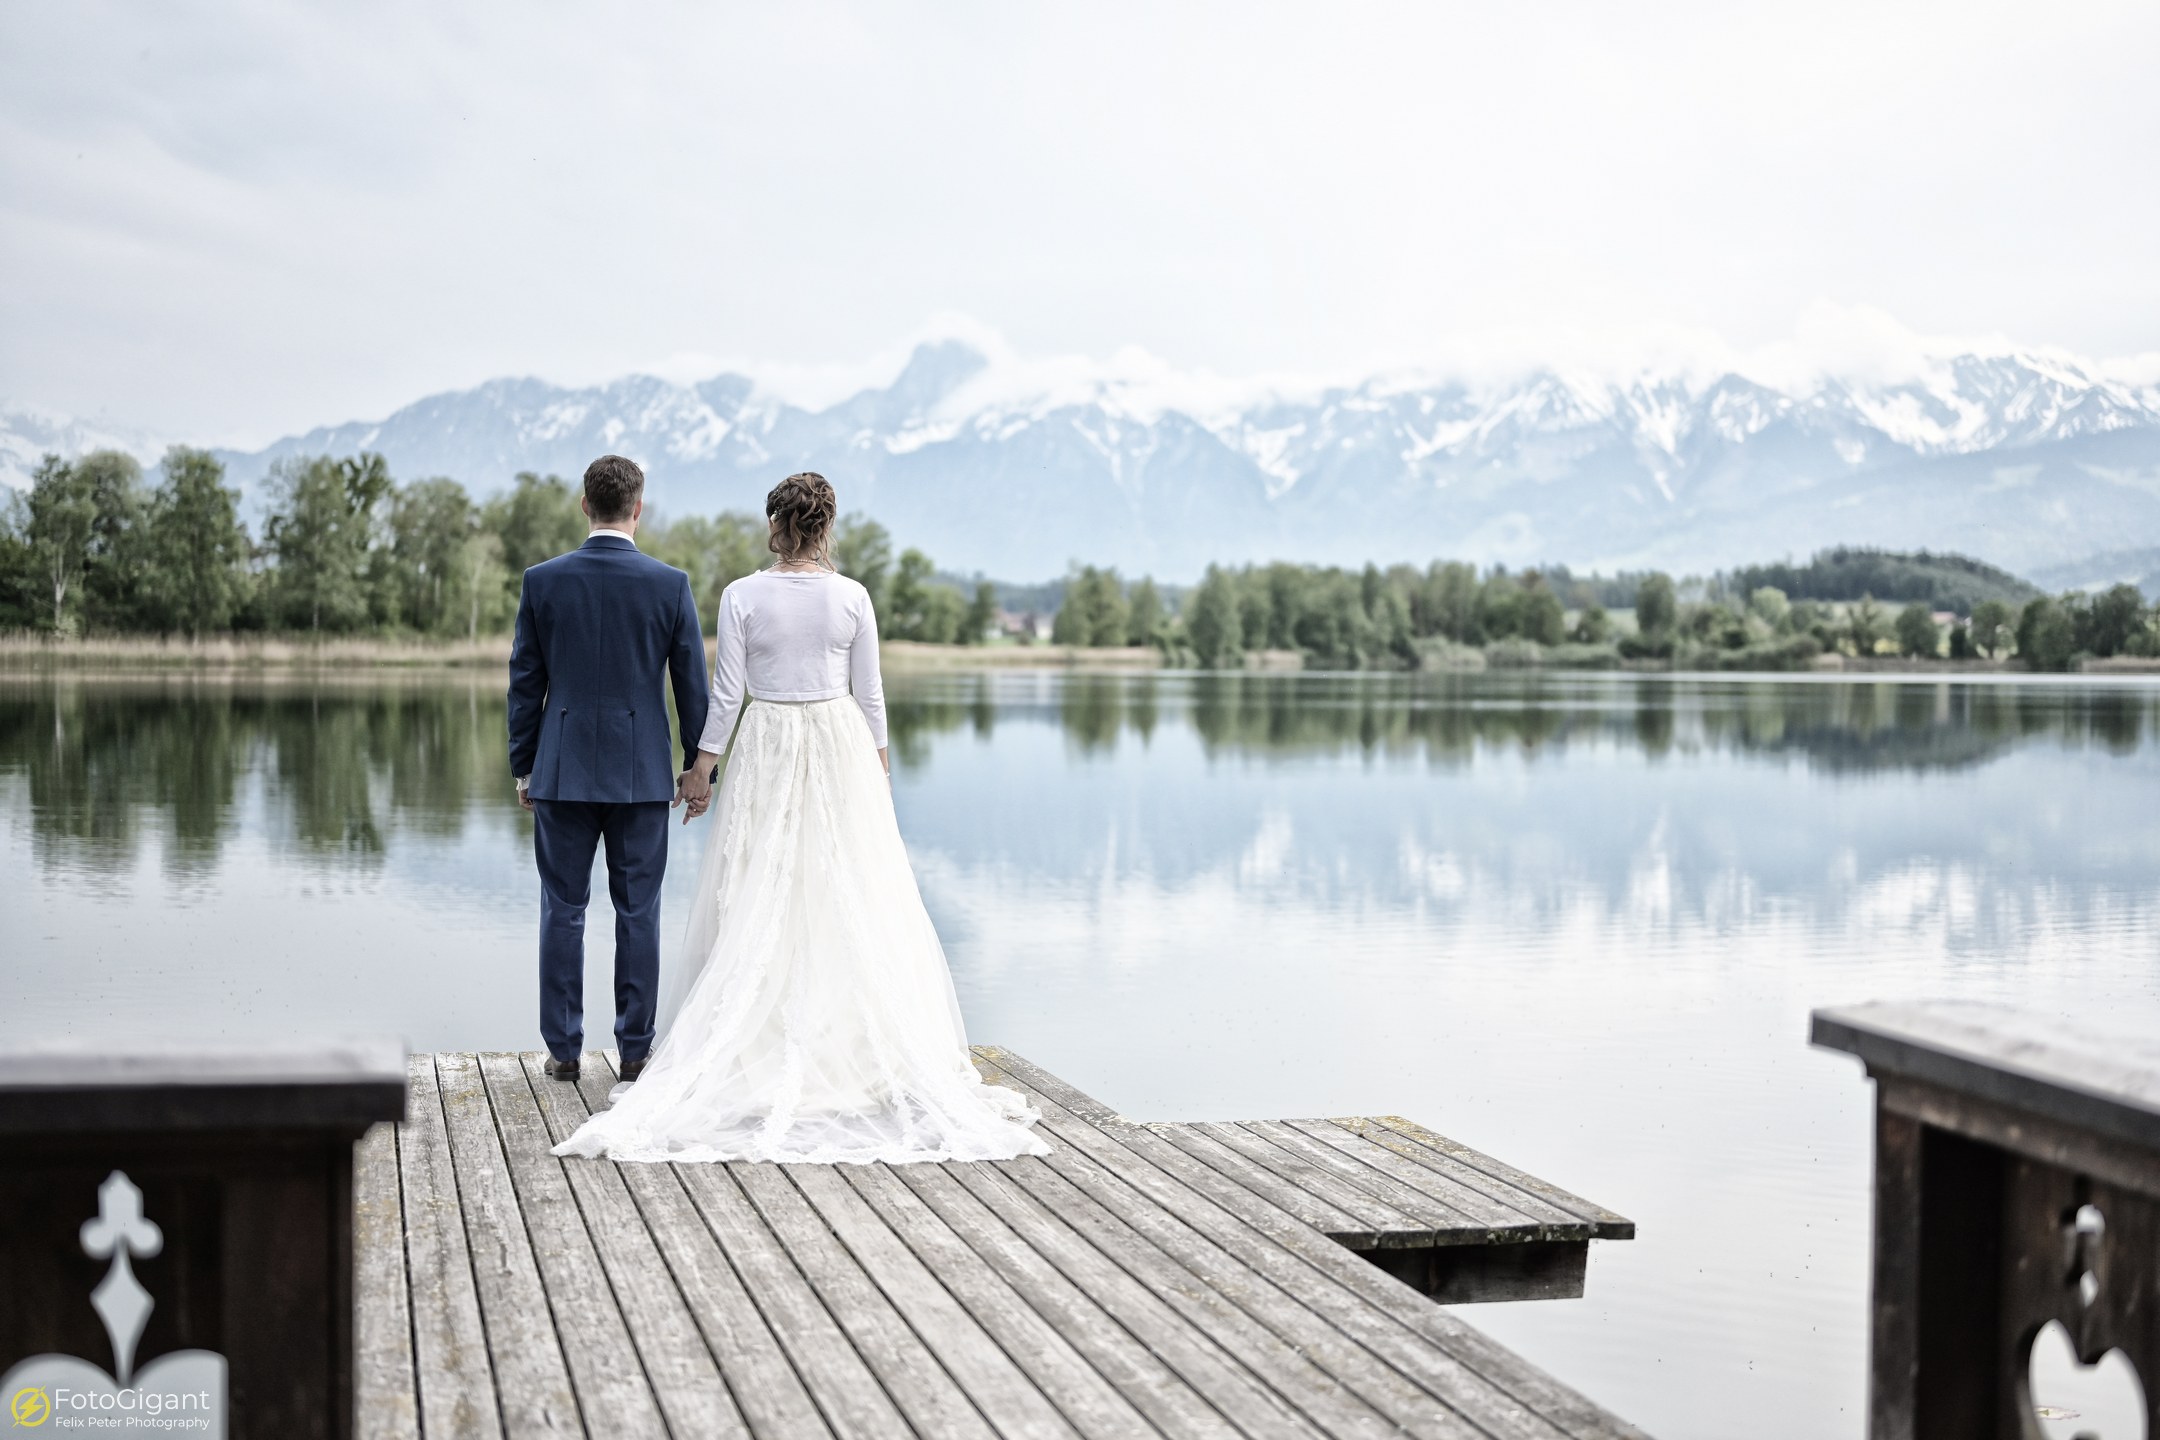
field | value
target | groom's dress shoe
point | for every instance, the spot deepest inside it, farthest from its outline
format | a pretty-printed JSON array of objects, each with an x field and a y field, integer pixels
[
  {"x": 561, "y": 1069},
  {"x": 631, "y": 1069}
]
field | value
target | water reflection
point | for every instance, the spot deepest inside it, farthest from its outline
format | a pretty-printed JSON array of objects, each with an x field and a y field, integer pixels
[
  {"x": 337, "y": 765},
  {"x": 344, "y": 762},
  {"x": 1576, "y": 920}
]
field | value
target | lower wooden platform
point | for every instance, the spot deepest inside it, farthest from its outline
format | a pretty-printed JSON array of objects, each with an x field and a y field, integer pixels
[{"x": 1140, "y": 1280}]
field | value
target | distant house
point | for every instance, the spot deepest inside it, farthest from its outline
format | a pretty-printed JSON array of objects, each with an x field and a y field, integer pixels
[{"x": 1026, "y": 626}]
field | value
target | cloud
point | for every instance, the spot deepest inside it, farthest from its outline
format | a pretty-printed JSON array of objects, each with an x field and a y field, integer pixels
[{"x": 237, "y": 219}]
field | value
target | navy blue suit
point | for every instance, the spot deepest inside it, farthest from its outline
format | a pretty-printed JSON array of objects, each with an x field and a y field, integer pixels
[{"x": 602, "y": 633}]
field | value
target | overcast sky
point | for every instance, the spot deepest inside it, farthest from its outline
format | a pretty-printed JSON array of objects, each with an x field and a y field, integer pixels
[{"x": 230, "y": 221}]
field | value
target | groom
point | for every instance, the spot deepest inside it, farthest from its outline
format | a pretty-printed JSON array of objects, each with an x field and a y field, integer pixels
[{"x": 598, "y": 632}]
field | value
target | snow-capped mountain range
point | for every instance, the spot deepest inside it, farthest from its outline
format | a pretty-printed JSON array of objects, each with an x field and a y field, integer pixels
[{"x": 2028, "y": 459}]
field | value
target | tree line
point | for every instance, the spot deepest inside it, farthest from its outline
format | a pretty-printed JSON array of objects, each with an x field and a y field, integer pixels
[
  {"x": 96, "y": 546},
  {"x": 1404, "y": 617}
]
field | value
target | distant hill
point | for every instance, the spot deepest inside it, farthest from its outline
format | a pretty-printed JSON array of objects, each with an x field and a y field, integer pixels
[
  {"x": 2140, "y": 567},
  {"x": 1944, "y": 582},
  {"x": 2029, "y": 458}
]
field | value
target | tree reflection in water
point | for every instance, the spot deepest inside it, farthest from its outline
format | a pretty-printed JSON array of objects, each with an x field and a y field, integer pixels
[{"x": 338, "y": 764}]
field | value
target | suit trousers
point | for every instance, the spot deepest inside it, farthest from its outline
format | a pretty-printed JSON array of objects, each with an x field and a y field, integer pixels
[{"x": 565, "y": 835}]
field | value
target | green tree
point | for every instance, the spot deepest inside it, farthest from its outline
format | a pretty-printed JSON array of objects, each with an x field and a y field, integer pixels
[
  {"x": 321, "y": 536},
  {"x": 113, "y": 561},
  {"x": 430, "y": 523},
  {"x": 477, "y": 588},
  {"x": 1145, "y": 617},
  {"x": 982, "y": 615},
  {"x": 196, "y": 551},
  {"x": 1288, "y": 590},
  {"x": 536, "y": 520},
  {"x": 1716, "y": 623},
  {"x": 22, "y": 599},
  {"x": 1540, "y": 616},
  {"x": 1095, "y": 612},
  {"x": 1657, "y": 607},
  {"x": 62, "y": 513},
  {"x": 2046, "y": 635},
  {"x": 1769, "y": 605},
  {"x": 1865, "y": 625},
  {"x": 943, "y": 613},
  {"x": 1332, "y": 628},
  {"x": 862, "y": 551},
  {"x": 1993, "y": 628},
  {"x": 714, "y": 553},
  {"x": 1212, "y": 621},
  {"x": 1918, "y": 635},
  {"x": 1593, "y": 626},
  {"x": 1445, "y": 603},
  {"x": 918, "y": 607},
  {"x": 1392, "y": 633},
  {"x": 1499, "y": 613},
  {"x": 2106, "y": 623}
]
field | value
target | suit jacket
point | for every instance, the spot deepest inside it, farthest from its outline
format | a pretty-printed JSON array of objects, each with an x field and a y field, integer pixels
[{"x": 601, "y": 632}]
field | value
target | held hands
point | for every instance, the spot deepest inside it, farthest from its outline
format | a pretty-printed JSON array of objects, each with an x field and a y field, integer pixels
[{"x": 693, "y": 791}]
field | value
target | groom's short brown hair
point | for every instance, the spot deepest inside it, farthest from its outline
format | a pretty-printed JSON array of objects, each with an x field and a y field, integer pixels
[{"x": 612, "y": 487}]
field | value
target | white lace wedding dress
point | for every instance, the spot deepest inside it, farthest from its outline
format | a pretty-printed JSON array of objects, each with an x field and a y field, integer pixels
[{"x": 820, "y": 1023}]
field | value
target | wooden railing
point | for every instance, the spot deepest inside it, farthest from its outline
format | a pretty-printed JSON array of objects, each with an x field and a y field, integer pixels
[
  {"x": 2017, "y": 1183},
  {"x": 178, "y": 1238}
]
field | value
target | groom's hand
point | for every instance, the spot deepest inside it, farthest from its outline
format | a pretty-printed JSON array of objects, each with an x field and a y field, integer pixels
[{"x": 693, "y": 790}]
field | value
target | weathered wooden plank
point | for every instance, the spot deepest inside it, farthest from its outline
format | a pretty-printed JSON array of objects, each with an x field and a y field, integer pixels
[
  {"x": 1432, "y": 1168},
  {"x": 1171, "y": 1372},
  {"x": 536, "y": 1323},
  {"x": 847, "y": 1393},
  {"x": 1470, "y": 1375},
  {"x": 1139, "y": 1280},
  {"x": 685, "y": 1379},
  {"x": 450, "y": 1350},
  {"x": 2066, "y": 1070},
  {"x": 1291, "y": 1183},
  {"x": 1006, "y": 1394},
  {"x": 1444, "y": 1340},
  {"x": 1435, "y": 1215},
  {"x": 1360, "y": 1162},
  {"x": 933, "y": 1403},
  {"x": 386, "y": 1404},
  {"x": 273, "y": 1085},
  {"x": 1083, "y": 1395},
  {"x": 1605, "y": 1225},
  {"x": 765, "y": 1385},
  {"x": 1339, "y": 1387}
]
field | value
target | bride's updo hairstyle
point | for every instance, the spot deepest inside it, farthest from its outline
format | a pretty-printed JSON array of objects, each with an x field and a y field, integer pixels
[{"x": 801, "y": 509}]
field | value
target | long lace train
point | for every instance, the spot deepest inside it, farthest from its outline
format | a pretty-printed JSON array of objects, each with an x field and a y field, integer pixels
[{"x": 822, "y": 1026}]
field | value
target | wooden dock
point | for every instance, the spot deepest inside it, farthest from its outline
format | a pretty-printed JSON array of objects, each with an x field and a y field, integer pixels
[{"x": 1174, "y": 1280}]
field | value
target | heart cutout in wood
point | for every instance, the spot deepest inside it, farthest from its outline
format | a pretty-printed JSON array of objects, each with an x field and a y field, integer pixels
[{"x": 2075, "y": 1401}]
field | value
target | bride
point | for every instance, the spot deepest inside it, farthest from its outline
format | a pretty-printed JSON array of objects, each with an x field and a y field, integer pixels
[{"x": 820, "y": 1023}]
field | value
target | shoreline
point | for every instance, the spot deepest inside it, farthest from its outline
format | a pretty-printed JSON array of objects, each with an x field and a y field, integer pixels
[{"x": 33, "y": 654}]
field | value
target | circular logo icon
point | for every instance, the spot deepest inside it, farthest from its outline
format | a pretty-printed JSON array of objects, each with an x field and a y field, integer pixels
[{"x": 30, "y": 1406}]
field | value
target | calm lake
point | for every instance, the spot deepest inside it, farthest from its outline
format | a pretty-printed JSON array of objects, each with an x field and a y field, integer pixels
[{"x": 1577, "y": 921}]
